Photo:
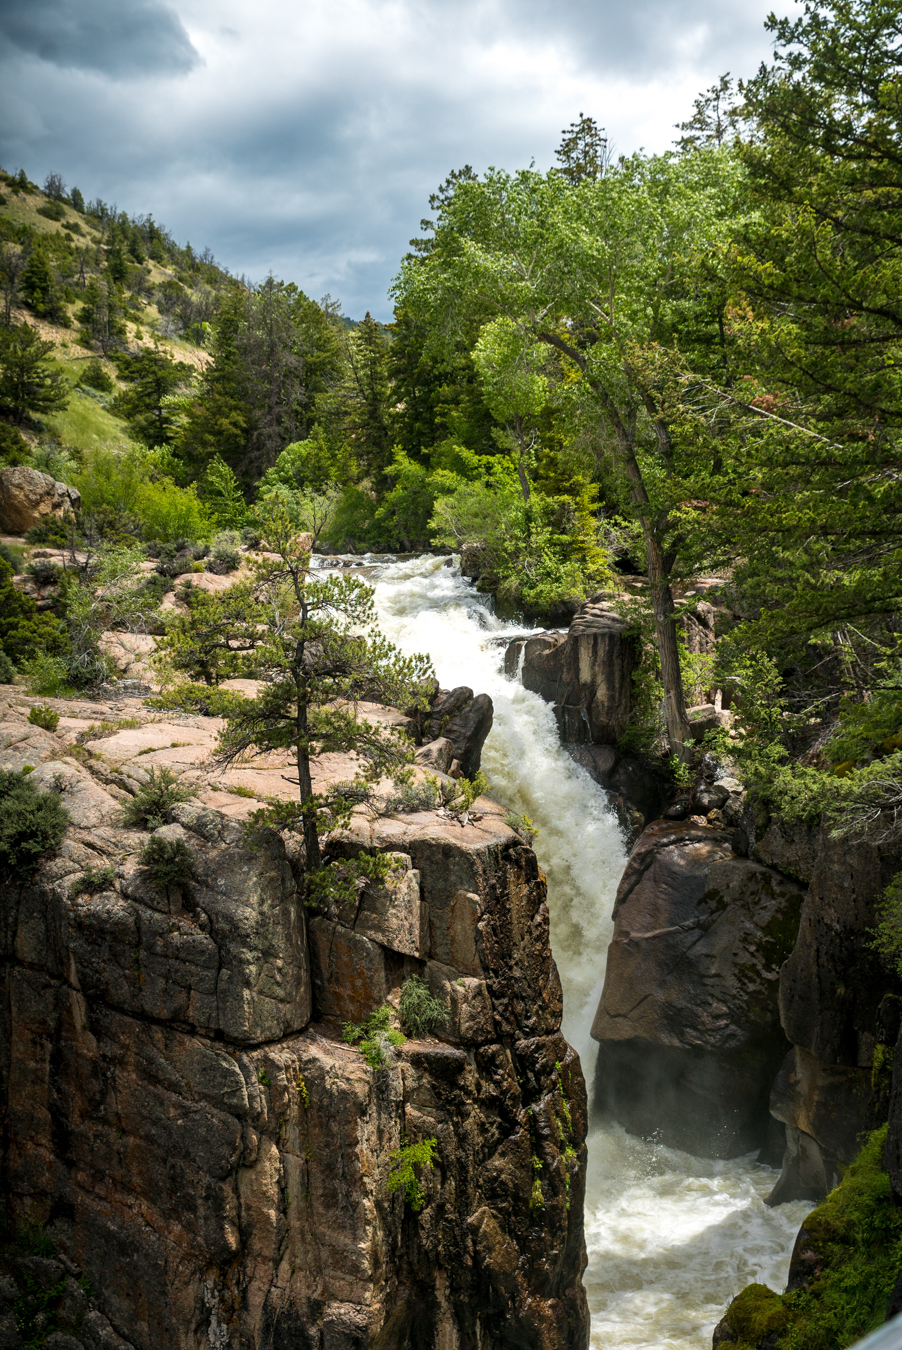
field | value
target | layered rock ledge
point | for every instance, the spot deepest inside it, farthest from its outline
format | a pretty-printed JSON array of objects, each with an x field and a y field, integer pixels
[{"x": 183, "y": 1119}]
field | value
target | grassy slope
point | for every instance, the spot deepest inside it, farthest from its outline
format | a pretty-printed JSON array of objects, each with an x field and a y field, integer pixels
[{"x": 86, "y": 425}]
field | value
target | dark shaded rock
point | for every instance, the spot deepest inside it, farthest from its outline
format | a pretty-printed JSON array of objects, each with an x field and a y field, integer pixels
[
  {"x": 806, "y": 1173},
  {"x": 690, "y": 993},
  {"x": 465, "y": 721},
  {"x": 585, "y": 675},
  {"x": 636, "y": 790},
  {"x": 832, "y": 984}
]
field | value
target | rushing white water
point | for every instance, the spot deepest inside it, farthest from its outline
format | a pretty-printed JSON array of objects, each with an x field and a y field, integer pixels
[{"x": 671, "y": 1238}]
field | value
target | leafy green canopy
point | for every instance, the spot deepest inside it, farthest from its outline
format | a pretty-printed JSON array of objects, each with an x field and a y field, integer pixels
[
  {"x": 602, "y": 273},
  {"x": 818, "y": 317}
]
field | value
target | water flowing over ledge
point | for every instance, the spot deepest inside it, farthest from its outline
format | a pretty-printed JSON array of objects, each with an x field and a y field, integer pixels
[{"x": 671, "y": 1238}]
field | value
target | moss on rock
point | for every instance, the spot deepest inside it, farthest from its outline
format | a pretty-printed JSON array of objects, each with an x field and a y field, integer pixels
[{"x": 857, "y": 1236}]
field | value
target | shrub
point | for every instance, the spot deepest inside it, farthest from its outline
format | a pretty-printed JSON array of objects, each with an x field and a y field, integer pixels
[
  {"x": 402, "y": 1175},
  {"x": 52, "y": 530},
  {"x": 470, "y": 789},
  {"x": 46, "y": 676},
  {"x": 151, "y": 804},
  {"x": 168, "y": 861},
  {"x": 7, "y": 669},
  {"x": 95, "y": 377},
  {"x": 378, "y": 1040},
  {"x": 12, "y": 556},
  {"x": 45, "y": 571},
  {"x": 92, "y": 880},
  {"x": 341, "y": 882},
  {"x": 43, "y": 716},
  {"x": 419, "y": 1012},
  {"x": 32, "y": 823},
  {"x": 521, "y": 825},
  {"x": 411, "y": 797},
  {"x": 225, "y": 553},
  {"x": 14, "y": 449}
]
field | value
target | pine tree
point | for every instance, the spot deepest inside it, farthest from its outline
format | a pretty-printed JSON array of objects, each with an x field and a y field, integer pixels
[{"x": 27, "y": 383}]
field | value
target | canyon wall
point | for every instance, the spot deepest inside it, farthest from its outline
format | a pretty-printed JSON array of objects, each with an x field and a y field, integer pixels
[{"x": 203, "y": 1157}]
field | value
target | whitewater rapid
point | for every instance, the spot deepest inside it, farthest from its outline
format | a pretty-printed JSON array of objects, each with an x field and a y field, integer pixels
[{"x": 670, "y": 1238}]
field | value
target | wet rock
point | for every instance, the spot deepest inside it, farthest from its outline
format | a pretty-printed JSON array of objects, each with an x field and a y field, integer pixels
[
  {"x": 27, "y": 497},
  {"x": 585, "y": 675},
  {"x": 688, "y": 1017},
  {"x": 465, "y": 721}
]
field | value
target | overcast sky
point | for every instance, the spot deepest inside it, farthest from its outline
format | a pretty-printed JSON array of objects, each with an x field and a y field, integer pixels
[{"x": 303, "y": 138}]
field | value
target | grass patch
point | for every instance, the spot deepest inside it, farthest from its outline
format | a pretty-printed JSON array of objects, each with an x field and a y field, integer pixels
[{"x": 377, "y": 1040}]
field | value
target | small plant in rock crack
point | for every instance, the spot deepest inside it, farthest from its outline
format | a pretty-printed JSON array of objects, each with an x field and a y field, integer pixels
[
  {"x": 377, "y": 1039},
  {"x": 151, "y": 804},
  {"x": 521, "y": 825},
  {"x": 344, "y": 880},
  {"x": 92, "y": 880},
  {"x": 168, "y": 861},
  {"x": 536, "y": 1199},
  {"x": 44, "y": 717},
  {"x": 418, "y": 1010},
  {"x": 404, "y": 1160},
  {"x": 468, "y": 789}
]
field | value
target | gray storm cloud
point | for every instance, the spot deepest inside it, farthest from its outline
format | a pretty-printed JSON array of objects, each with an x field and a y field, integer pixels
[
  {"x": 115, "y": 37},
  {"x": 305, "y": 140}
]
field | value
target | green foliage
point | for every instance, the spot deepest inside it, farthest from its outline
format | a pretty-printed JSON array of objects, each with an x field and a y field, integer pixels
[
  {"x": 857, "y": 1232},
  {"x": 94, "y": 376},
  {"x": 32, "y": 823},
  {"x": 28, "y": 384},
  {"x": 24, "y": 632},
  {"x": 222, "y": 495},
  {"x": 888, "y": 932},
  {"x": 420, "y": 1013},
  {"x": 469, "y": 789},
  {"x": 145, "y": 404},
  {"x": 536, "y": 1198},
  {"x": 403, "y": 1175},
  {"x": 342, "y": 881},
  {"x": 426, "y": 795},
  {"x": 150, "y": 806},
  {"x": 169, "y": 861},
  {"x": 312, "y": 644},
  {"x": 44, "y": 571},
  {"x": 14, "y": 448},
  {"x": 196, "y": 698},
  {"x": 43, "y": 716},
  {"x": 521, "y": 825},
  {"x": 92, "y": 880},
  {"x": 7, "y": 669},
  {"x": 375, "y": 1037}
]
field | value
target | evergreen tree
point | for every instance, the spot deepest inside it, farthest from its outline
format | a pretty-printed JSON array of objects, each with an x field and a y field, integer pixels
[
  {"x": 152, "y": 377},
  {"x": 27, "y": 383}
]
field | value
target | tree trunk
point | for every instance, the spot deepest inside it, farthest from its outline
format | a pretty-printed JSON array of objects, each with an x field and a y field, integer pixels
[{"x": 668, "y": 651}]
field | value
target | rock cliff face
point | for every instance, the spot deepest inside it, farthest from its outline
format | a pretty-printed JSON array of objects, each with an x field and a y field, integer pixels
[
  {"x": 584, "y": 674},
  {"x": 688, "y": 1020},
  {"x": 185, "y": 1121},
  {"x": 742, "y": 999}
]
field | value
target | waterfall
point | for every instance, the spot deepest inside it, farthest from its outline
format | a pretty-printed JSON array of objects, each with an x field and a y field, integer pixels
[{"x": 670, "y": 1238}]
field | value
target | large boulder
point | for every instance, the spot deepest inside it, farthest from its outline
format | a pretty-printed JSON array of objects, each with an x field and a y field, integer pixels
[
  {"x": 688, "y": 1019},
  {"x": 585, "y": 674},
  {"x": 465, "y": 720},
  {"x": 27, "y": 497}
]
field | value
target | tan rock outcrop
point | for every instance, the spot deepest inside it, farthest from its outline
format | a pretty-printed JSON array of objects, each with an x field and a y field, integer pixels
[
  {"x": 182, "y": 1114},
  {"x": 27, "y": 497}
]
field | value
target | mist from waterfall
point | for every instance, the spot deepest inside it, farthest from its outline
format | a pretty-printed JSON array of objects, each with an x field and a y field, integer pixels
[{"x": 671, "y": 1238}]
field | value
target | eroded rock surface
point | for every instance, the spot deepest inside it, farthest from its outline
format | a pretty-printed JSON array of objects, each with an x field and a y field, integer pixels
[
  {"x": 585, "y": 673},
  {"x": 688, "y": 1019},
  {"x": 183, "y": 1116},
  {"x": 27, "y": 497}
]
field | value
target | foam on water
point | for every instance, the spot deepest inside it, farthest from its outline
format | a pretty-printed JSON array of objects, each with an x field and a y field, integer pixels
[{"x": 670, "y": 1238}]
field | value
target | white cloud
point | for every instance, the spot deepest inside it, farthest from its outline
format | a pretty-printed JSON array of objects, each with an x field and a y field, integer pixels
[{"x": 306, "y": 139}]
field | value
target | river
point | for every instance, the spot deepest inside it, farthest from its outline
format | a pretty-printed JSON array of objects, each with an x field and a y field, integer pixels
[{"x": 670, "y": 1238}]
